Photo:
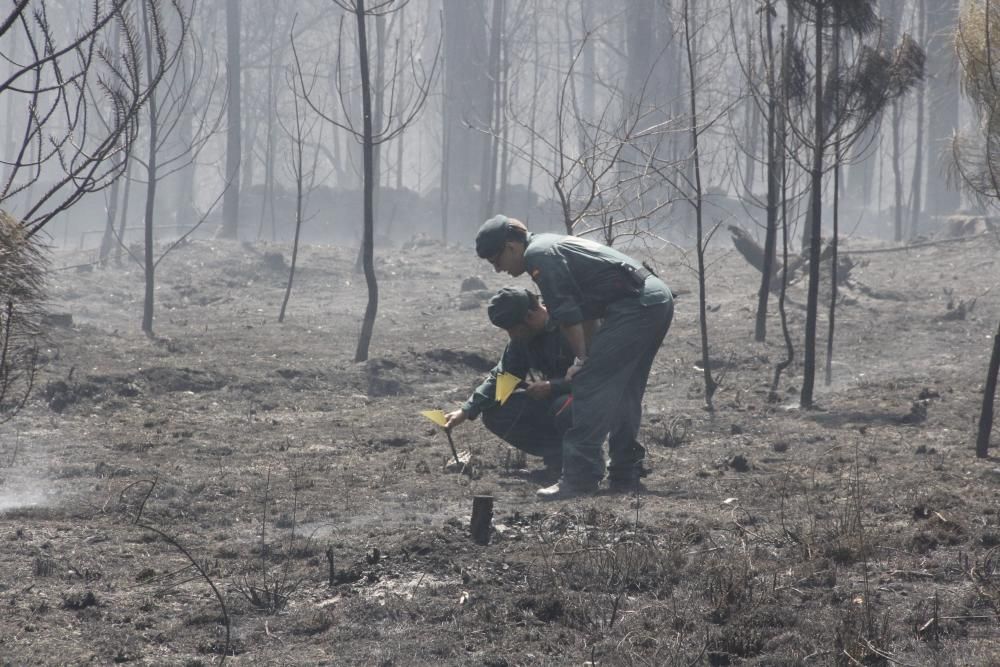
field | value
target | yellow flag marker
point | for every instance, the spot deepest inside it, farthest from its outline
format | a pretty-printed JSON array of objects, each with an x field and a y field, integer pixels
[
  {"x": 506, "y": 384},
  {"x": 439, "y": 418},
  {"x": 436, "y": 416}
]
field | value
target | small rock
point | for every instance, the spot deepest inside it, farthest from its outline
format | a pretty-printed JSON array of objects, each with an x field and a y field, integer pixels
[
  {"x": 274, "y": 261},
  {"x": 473, "y": 284},
  {"x": 739, "y": 463},
  {"x": 918, "y": 413},
  {"x": 64, "y": 320},
  {"x": 76, "y": 600},
  {"x": 468, "y": 301}
]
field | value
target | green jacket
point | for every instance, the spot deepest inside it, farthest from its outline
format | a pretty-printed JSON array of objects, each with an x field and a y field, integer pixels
[
  {"x": 545, "y": 356},
  {"x": 578, "y": 277}
]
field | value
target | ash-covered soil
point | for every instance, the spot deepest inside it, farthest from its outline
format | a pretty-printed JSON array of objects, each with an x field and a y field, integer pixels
[{"x": 238, "y": 486}]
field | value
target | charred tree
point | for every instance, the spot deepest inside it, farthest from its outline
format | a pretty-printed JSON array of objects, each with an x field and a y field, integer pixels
[
  {"x": 492, "y": 110},
  {"x": 815, "y": 214},
  {"x": 989, "y": 397},
  {"x": 467, "y": 94},
  {"x": 775, "y": 158},
  {"x": 73, "y": 108},
  {"x": 847, "y": 98},
  {"x": 170, "y": 148},
  {"x": 397, "y": 118},
  {"x": 917, "y": 181},
  {"x": 943, "y": 96},
  {"x": 22, "y": 291},
  {"x": 231, "y": 199},
  {"x": 299, "y": 134},
  {"x": 151, "y": 180},
  {"x": 368, "y": 145},
  {"x": 697, "y": 203},
  {"x": 783, "y": 178},
  {"x": 977, "y": 156}
]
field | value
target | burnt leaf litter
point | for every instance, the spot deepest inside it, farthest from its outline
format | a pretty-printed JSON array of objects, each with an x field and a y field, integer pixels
[{"x": 233, "y": 452}]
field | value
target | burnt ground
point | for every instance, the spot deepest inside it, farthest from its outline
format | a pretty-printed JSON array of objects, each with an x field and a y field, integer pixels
[{"x": 317, "y": 501}]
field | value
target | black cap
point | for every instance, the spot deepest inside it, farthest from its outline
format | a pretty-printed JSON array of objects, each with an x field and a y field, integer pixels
[
  {"x": 509, "y": 307},
  {"x": 492, "y": 235}
]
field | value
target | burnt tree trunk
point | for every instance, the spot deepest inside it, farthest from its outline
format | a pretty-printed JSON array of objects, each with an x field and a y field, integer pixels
[
  {"x": 466, "y": 88},
  {"x": 837, "y": 160},
  {"x": 773, "y": 185},
  {"x": 378, "y": 115},
  {"x": 989, "y": 395},
  {"x": 916, "y": 189},
  {"x": 149, "y": 264},
  {"x": 109, "y": 230},
  {"x": 814, "y": 225},
  {"x": 783, "y": 177},
  {"x": 123, "y": 219},
  {"x": 368, "y": 243},
  {"x": 943, "y": 95},
  {"x": 298, "y": 142},
  {"x": 231, "y": 198},
  {"x": 491, "y": 120},
  {"x": 710, "y": 383},
  {"x": 897, "y": 174}
]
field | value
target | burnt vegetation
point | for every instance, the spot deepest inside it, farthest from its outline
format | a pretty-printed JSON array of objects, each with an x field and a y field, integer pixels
[{"x": 254, "y": 481}]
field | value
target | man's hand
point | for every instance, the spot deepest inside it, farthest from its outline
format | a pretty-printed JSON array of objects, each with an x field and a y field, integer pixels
[
  {"x": 454, "y": 419},
  {"x": 539, "y": 391},
  {"x": 575, "y": 368}
]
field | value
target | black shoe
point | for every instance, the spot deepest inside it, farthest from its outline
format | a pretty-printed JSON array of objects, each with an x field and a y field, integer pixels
[
  {"x": 630, "y": 471},
  {"x": 563, "y": 490}
]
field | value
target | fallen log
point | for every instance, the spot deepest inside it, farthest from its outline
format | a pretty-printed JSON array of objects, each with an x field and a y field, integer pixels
[{"x": 754, "y": 255}]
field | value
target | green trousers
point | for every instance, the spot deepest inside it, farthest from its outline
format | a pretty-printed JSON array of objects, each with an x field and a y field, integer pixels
[
  {"x": 534, "y": 427},
  {"x": 608, "y": 392}
]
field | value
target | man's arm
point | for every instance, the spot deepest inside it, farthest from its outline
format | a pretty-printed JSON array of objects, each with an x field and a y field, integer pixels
[
  {"x": 484, "y": 397},
  {"x": 576, "y": 336},
  {"x": 590, "y": 327}
]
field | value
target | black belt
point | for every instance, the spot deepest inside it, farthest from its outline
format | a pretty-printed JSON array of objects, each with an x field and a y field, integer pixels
[{"x": 635, "y": 277}]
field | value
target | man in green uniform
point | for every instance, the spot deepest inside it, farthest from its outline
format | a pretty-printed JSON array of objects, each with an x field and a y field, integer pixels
[
  {"x": 582, "y": 282},
  {"x": 535, "y": 417}
]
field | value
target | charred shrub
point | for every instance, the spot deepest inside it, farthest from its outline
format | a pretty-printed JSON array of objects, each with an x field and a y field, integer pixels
[{"x": 77, "y": 600}]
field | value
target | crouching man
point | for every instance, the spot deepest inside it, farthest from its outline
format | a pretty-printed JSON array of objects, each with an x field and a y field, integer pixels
[{"x": 535, "y": 417}]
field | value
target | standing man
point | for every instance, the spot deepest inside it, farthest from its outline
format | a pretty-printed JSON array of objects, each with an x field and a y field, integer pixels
[
  {"x": 535, "y": 417},
  {"x": 581, "y": 282}
]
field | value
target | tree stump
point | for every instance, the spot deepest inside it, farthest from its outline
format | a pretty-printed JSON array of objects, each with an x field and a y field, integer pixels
[{"x": 482, "y": 519}]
